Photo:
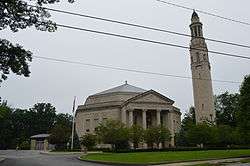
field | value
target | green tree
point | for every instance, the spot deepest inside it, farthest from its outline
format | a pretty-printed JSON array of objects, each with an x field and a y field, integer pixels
[
  {"x": 243, "y": 117},
  {"x": 88, "y": 141},
  {"x": 13, "y": 58},
  {"x": 43, "y": 116},
  {"x": 22, "y": 125},
  {"x": 226, "y": 106},
  {"x": 61, "y": 131},
  {"x": 25, "y": 145},
  {"x": 136, "y": 135},
  {"x": 115, "y": 133},
  {"x": 156, "y": 135},
  {"x": 224, "y": 135},
  {"x": 5, "y": 126},
  {"x": 149, "y": 136},
  {"x": 164, "y": 135},
  {"x": 64, "y": 119},
  {"x": 16, "y": 15},
  {"x": 200, "y": 134},
  {"x": 187, "y": 123},
  {"x": 60, "y": 136}
]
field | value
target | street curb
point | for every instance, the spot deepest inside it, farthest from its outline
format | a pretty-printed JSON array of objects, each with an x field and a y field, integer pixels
[
  {"x": 110, "y": 163},
  {"x": 2, "y": 159},
  {"x": 156, "y": 164},
  {"x": 61, "y": 153}
]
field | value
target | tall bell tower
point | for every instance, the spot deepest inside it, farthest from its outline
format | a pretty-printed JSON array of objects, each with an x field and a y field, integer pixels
[{"x": 201, "y": 74}]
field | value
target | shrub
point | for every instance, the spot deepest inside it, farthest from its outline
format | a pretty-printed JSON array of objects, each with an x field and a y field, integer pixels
[
  {"x": 88, "y": 141},
  {"x": 25, "y": 145},
  {"x": 115, "y": 133}
]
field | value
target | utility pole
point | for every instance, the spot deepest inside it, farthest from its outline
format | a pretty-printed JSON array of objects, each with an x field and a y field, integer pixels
[{"x": 73, "y": 124}]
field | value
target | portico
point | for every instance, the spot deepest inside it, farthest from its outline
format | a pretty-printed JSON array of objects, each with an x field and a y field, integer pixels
[{"x": 146, "y": 117}]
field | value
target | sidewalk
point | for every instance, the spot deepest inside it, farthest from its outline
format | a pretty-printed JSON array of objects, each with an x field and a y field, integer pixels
[{"x": 232, "y": 160}]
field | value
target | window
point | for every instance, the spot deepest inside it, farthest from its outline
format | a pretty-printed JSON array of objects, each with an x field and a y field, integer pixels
[
  {"x": 202, "y": 106},
  {"x": 199, "y": 30},
  {"x": 195, "y": 31},
  {"x": 211, "y": 116},
  {"x": 204, "y": 57},
  {"x": 192, "y": 59},
  {"x": 87, "y": 125}
]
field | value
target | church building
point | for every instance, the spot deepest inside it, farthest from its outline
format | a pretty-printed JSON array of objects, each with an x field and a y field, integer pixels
[
  {"x": 130, "y": 105},
  {"x": 134, "y": 105}
]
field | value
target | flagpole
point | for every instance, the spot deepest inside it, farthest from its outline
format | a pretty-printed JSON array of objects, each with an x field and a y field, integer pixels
[{"x": 73, "y": 124}]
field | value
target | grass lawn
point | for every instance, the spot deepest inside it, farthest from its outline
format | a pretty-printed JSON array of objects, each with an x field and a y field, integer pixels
[
  {"x": 245, "y": 160},
  {"x": 165, "y": 157}
]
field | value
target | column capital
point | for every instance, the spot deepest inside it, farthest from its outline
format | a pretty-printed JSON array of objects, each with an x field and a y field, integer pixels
[
  {"x": 144, "y": 110},
  {"x": 159, "y": 110}
]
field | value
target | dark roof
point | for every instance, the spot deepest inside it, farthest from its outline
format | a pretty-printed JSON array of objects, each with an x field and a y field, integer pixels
[
  {"x": 194, "y": 14},
  {"x": 123, "y": 88}
]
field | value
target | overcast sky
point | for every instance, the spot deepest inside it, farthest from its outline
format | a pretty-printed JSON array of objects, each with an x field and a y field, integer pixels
[{"x": 58, "y": 83}]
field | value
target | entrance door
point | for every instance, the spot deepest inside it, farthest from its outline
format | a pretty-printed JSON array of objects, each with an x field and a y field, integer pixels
[{"x": 39, "y": 145}]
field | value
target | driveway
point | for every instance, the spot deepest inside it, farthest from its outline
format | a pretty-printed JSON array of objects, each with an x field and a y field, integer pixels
[{"x": 34, "y": 158}]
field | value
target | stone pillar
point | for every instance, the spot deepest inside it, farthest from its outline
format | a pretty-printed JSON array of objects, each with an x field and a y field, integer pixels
[
  {"x": 124, "y": 116},
  {"x": 33, "y": 144},
  {"x": 158, "y": 117},
  {"x": 130, "y": 118},
  {"x": 171, "y": 127},
  {"x": 46, "y": 145},
  {"x": 144, "y": 119}
]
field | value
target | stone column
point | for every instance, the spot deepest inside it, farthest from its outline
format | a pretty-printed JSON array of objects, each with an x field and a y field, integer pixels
[
  {"x": 158, "y": 117},
  {"x": 46, "y": 145},
  {"x": 171, "y": 127},
  {"x": 130, "y": 118},
  {"x": 124, "y": 116},
  {"x": 144, "y": 119},
  {"x": 33, "y": 144}
]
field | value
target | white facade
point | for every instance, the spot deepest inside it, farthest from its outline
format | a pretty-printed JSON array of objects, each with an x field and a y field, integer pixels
[{"x": 130, "y": 105}]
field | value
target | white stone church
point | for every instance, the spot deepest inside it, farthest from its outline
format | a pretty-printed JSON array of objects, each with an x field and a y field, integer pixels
[{"x": 130, "y": 105}]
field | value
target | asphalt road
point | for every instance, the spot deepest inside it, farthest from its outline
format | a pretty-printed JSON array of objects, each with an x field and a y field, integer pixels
[{"x": 34, "y": 158}]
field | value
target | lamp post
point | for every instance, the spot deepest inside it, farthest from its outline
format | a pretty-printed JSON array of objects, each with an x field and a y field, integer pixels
[{"x": 73, "y": 124}]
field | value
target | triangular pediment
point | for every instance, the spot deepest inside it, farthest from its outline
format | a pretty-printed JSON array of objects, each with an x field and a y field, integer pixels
[{"x": 150, "y": 96}]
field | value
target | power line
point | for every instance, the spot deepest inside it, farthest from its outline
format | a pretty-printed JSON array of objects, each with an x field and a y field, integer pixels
[
  {"x": 128, "y": 70},
  {"x": 204, "y": 12},
  {"x": 152, "y": 41},
  {"x": 142, "y": 26}
]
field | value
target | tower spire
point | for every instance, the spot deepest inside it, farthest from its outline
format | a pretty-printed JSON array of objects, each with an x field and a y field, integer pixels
[
  {"x": 196, "y": 25},
  {"x": 194, "y": 14}
]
